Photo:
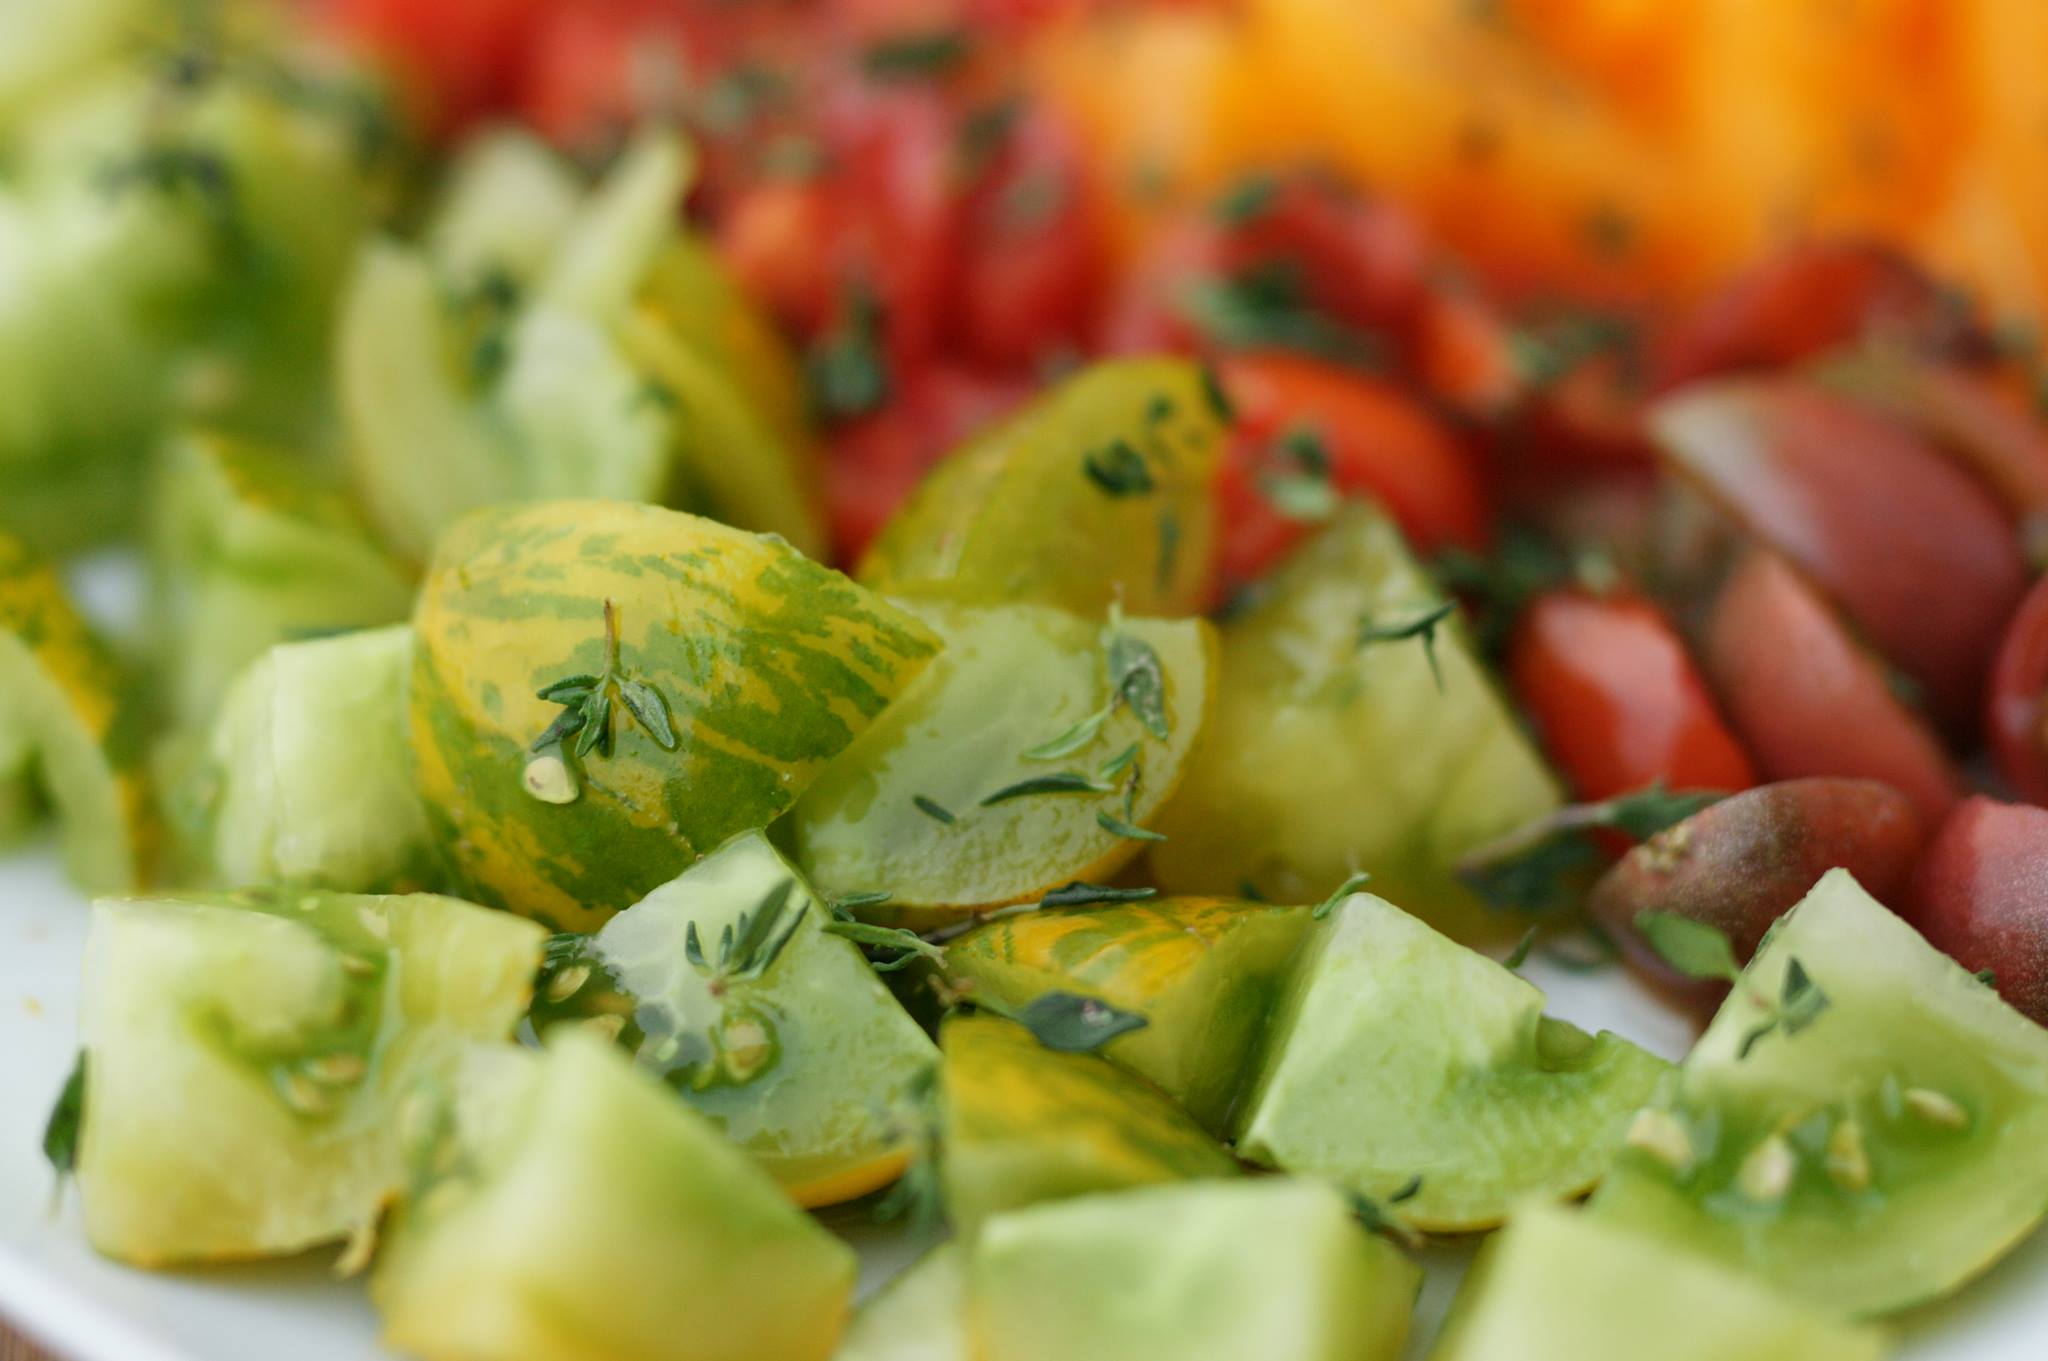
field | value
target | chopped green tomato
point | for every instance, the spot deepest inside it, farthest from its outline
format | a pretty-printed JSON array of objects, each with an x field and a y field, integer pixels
[
  {"x": 51, "y": 43},
  {"x": 1861, "y": 1125},
  {"x": 1021, "y": 698},
  {"x": 308, "y": 780},
  {"x": 1018, "y": 516},
  {"x": 509, "y": 201},
  {"x": 699, "y": 678},
  {"x": 75, "y": 721},
  {"x": 1205, "y": 973},
  {"x": 606, "y": 250},
  {"x": 1022, "y": 1123},
  {"x": 1350, "y": 733},
  {"x": 248, "y": 1054},
  {"x": 253, "y": 550},
  {"x": 580, "y": 418},
  {"x": 1272, "y": 1268},
  {"x": 1399, "y": 1054},
  {"x": 726, "y": 985},
  {"x": 919, "y": 1316},
  {"x": 731, "y": 457},
  {"x": 582, "y": 1215},
  {"x": 400, "y": 396},
  {"x": 1557, "y": 1285},
  {"x": 80, "y": 395}
]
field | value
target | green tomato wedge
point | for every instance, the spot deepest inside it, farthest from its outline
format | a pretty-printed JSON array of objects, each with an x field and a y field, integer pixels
[
  {"x": 1205, "y": 973},
  {"x": 907, "y": 807},
  {"x": 918, "y": 1316},
  {"x": 753, "y": 668},
  {"x": 1399, "y": 1054},
  {"x": 308, "y": 779},
  {"x": 1336, "y": 746},
  {"x": 508, "y": 202},
  {"x": 53, "y": 42},
  {"x": 726, "y": 984},
  {"x": 73, "y": 721},
  {"x": 1098, "y": 492},
  {"x": 1878, "y": 1151},
  {"x": 1272, "y": 1268},
  {"x": 1558, "y": 1285},
  {"x": 246, "y": 1056},
  {"x": 1022, "y": 1123},
  {"x": 576, "y": 1213},
  {"x": 252, "y": 549}
]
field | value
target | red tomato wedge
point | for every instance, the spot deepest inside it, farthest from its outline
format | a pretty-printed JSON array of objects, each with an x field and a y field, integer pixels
[
  {"x": 2017, "y": 713},
  {"x": 1980, "y": 894},
  {"x": 1806, "y": 700},
  {"x": 1373, "y": 440},
  {"x": 1919, "y": 555},
  {"x": 1616, "y": 699}
]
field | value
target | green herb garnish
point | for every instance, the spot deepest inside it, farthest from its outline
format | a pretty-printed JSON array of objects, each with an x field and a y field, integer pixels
[
  {"x": 1129, "y": 831},
  {"x": 933, "y": 809},
  {"x": 1351, "y": 885},
  {"x": 1119, "y": 470},
  {"x": 1074, "y": 1024},
  {"x": 65, "y": 1127},
  {"x": 1065, "y": 782},
  {"x": 586, "y": 702},
  {"x": 1377, "y": 1218},
  {"x": 917, "y": 56},
  {"x": 848, "y": 373},
  {"x": 1528, "y": 869},
  {"x": 1078, "y": 894},
  {"x": 1699, "y": 950},
  {"x": 747, "y": 948},
  {"x": 1422, "y": 623},
  {"x": 1519, "y": 956},
  {"x": 906, "y": 947},
  {"x": 1247, "y": 201}
]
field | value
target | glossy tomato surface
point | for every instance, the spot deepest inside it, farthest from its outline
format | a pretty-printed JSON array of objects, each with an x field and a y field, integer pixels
[
  {"x": 1981, "y": 895},
  {"x": 1617, "y": 700}
]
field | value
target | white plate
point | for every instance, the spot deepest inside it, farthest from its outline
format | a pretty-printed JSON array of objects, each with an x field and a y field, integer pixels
[{"x": 52, "y": 1286}]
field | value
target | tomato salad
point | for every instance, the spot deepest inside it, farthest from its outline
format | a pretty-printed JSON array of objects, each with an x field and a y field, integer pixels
[{"x": 753, "y": 614}]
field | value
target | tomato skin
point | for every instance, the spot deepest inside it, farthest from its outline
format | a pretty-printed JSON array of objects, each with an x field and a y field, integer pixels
[
  {"x": 1916, "y": 551},
  {"x": 591, "y": 71},
  {"x": 1806, "y": 700},
  {"x": 2016, "y": 714},
  {"x": 1380, "y": 443},
  {"x": 775, "y": 236},
  {"x": 458, "y": 60},
  {"x": 1032, "y": 249},
  {"x": 878, "y": 459},
  {"x": 1616, "y": 699},
  {"x": 1980, "y": 895},
  {"x": 1740, "y": 864},
  {"x": 1809, "y": 298}
]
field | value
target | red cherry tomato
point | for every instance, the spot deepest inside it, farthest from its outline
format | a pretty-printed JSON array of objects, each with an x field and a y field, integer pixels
[
  {"x": 1358, "y": 262},
  {"x": 1980, "y": 894},
  {"x": 776, "y": 237},
  {"x": 1032, "y": 249},
  {"x": 2017, "y": 715},
  {"x": 592, "y": 71},
  {"x": 1806, "y": 300},
  {"x": 877, "y": 460},
  {"x": 1616, "y": 699},
  {"x": 1806, "y": 700},
  {"x": 457, "y": 60},
  {"x": 1376, "y": 441}
]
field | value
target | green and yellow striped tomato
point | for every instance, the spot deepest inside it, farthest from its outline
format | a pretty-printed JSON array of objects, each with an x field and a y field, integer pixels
[
  {"x": 1097, "y": 492},
  {"x": 1022, "y": 1123},
  {"x": 74, "y": 726},
  {"x": 1204, "y": 973},
  {"x": 751, "y": 667},
  {"x": 916, "y": 805}
]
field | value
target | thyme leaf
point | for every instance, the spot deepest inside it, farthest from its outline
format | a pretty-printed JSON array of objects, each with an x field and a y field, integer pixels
[
  {"x": 1075, "y": 1024},
  {"x": 933, "y": 809},
  {"x": 1119, "y": 470},
  {"x": 1422, "y": 623},
  {"x": 1117, "y": 826},
  {"x": 1078, "y": 894},
  {"x": 62, "y": 1132},
  {"x": 1064, "y": 782},
  {"x": 1351, "y": 885},
  {"x": 906, "y": 946}
]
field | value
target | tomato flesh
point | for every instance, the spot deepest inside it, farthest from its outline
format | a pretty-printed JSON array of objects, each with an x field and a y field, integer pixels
[{"x": 1980, "y": 894}]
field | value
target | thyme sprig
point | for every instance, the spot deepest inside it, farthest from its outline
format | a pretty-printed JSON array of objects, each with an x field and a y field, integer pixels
[
  {"x": 1530, "y": 868},
  {"x": 749, "y": 945},
  {"x": 587, "y": 703},
  {"x": 1421, "y": 622},
  {"x": 1701, "y": 950},
  {"x": 1136, "y": 680}
]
